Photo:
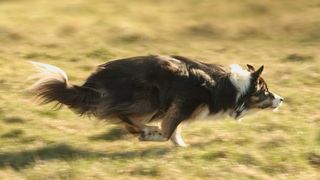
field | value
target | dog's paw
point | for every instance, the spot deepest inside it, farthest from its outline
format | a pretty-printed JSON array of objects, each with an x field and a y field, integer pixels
[
  {"x": 152, "y": 133},
  {"x": 178, "y": 141},
  {"x": 183, "y": 145},
  {"x": 180, "y": 144}
]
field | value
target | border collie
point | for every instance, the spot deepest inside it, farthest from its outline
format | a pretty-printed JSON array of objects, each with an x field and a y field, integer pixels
[{"x": 171, "y": 89}]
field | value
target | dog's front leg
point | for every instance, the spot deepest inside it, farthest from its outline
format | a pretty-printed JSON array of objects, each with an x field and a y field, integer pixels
[{"x": 177, "y": 139}]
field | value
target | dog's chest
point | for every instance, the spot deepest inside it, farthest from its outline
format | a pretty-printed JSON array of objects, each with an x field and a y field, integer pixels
[{"x": 201, "y": 112}]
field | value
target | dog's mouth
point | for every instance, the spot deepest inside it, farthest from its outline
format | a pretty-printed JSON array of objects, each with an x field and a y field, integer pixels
[{"x": 275, "y": 107}]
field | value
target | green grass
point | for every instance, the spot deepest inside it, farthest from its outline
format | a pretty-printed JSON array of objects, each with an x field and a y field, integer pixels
[{"x": 78, "y": 35}]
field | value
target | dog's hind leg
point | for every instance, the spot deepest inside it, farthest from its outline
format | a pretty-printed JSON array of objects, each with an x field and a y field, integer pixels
[
  {"x": 177, "y": 112},
  {"x": 130, "y": 125},
  {"x": 152, "y": 133},
  {"x": 137, "y": 127},
  {"x": 132, "y": 129}
]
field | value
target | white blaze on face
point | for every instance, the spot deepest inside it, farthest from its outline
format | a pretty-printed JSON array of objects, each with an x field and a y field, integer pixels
[{"x": 240, "y": 78}]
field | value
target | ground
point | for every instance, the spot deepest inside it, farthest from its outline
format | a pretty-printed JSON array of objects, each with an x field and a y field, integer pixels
[{"x": 39, "y": 143}]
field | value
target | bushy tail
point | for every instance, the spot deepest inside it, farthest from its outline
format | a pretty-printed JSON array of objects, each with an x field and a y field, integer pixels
[{"x": 53, "y": 86}]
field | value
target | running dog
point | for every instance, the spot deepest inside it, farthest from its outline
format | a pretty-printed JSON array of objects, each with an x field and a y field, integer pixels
[{"x": 136, "y": 91}]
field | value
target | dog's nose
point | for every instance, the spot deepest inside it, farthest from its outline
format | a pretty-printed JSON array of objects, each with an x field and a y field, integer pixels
[{"x": 281, "y": 99}]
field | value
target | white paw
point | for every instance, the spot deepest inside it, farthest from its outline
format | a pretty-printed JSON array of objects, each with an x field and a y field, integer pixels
[
  {"x": 182, "y": 145},
  {"x": 152, "y": 134},
  {"x": 179, "y": 142}
]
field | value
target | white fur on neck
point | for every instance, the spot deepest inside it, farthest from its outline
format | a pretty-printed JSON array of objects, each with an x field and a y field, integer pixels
[{"x": 240, "y": 78}]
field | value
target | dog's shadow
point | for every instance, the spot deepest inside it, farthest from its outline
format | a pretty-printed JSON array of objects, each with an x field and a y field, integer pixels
[
  {"x": 118, "y": 133},
  {"x": 111, "y": 135},
  {"x": 22, "y": 159}
]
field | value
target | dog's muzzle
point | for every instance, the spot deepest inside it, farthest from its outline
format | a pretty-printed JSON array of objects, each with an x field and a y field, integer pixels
[{"x": 277, "y": 101}]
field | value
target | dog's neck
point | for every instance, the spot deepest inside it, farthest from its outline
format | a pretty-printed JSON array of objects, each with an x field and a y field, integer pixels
[
  {"x": 223, "y": 95},
  {"x": 225, "y": 98}
]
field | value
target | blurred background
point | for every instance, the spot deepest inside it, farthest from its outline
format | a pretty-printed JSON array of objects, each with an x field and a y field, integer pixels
[{"x": 78, "y": 35}]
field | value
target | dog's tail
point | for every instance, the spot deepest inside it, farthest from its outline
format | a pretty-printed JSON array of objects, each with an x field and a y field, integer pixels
[{"x": 53, "y": 86}]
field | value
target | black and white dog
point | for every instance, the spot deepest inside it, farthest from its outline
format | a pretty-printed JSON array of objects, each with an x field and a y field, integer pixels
[{"x": 138, "y": 90}]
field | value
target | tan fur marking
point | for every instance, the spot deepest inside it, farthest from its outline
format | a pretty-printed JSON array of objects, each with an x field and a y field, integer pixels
[
  {"x": 202, "y": 74},
  {"x": 174, "y": 65},
  {"x": 201, "y": 112},
  {"x": 254, "y": 98}
]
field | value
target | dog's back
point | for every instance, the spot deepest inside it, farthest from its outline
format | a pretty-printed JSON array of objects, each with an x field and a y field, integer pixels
[
  {"x": 134, "y": 86},
  {"x": 146, "y": 85}
]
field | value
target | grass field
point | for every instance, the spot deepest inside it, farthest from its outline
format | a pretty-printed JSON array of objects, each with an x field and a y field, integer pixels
[{"x": 77, "y": 35}]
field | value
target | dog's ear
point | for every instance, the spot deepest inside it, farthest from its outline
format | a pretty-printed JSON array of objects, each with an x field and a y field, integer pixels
[
  {"x": 256, "y": 74},
  {"x": 250, "y": 68}
]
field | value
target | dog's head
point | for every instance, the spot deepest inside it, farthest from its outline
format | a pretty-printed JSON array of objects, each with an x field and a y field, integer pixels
[
  {"x": 259, "y": 95},
  {"x": 253, "y": 91}
]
